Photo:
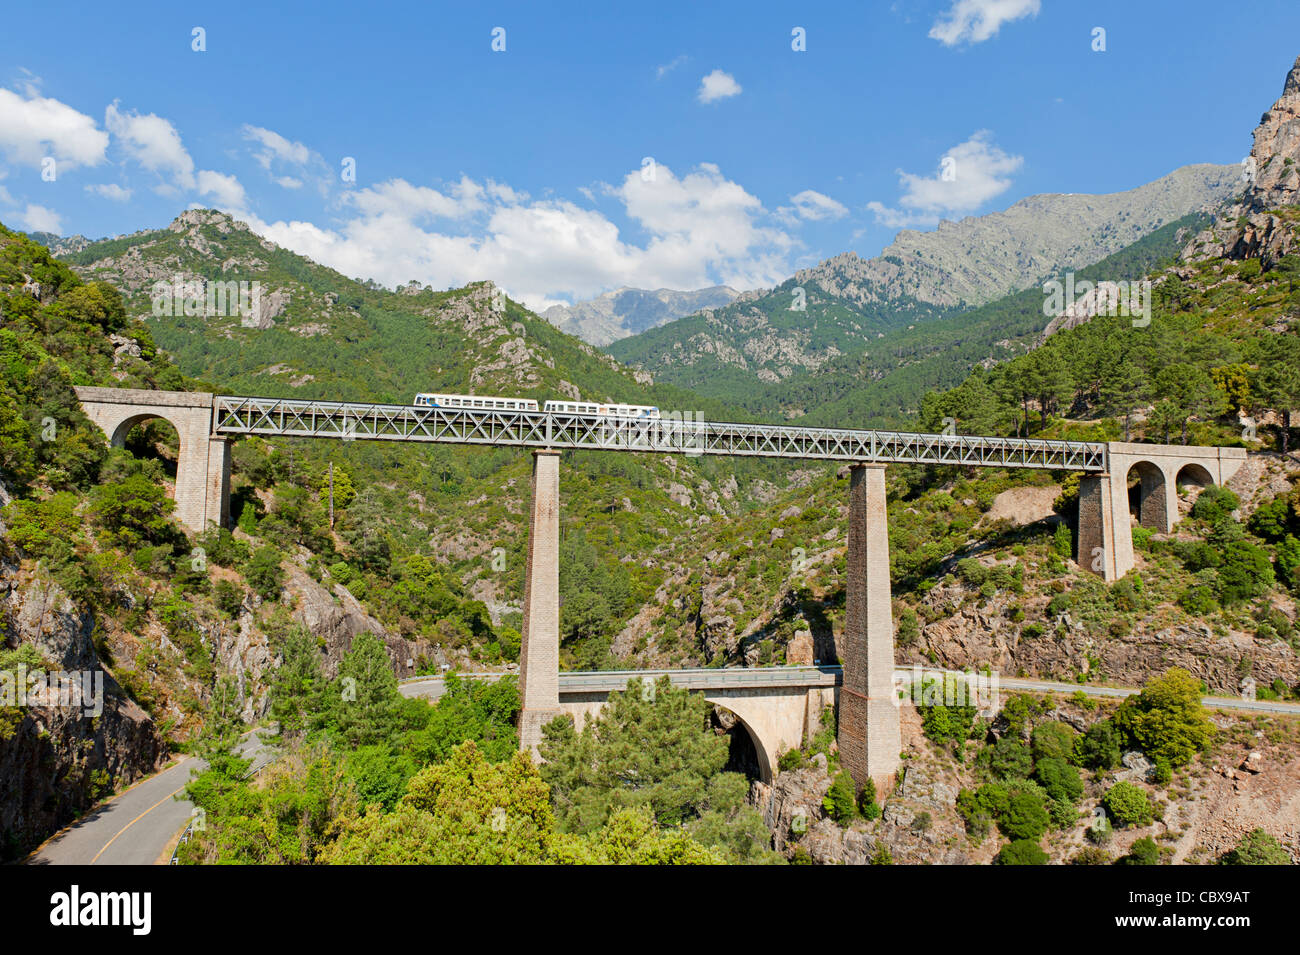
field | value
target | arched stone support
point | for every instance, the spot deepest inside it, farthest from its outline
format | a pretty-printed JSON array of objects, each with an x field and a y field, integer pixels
[
  {"x": 203, "y": 466},
  {"x": 1105, "y": 543}
]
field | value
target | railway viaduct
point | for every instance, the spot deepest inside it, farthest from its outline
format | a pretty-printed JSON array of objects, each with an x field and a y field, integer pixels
[{"x": 776, "y": 716}]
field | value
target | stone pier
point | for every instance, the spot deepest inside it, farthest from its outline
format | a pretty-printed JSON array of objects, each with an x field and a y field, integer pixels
[
  {"x": 869, "y": 736},
  {"x": 539, "y": 655}
]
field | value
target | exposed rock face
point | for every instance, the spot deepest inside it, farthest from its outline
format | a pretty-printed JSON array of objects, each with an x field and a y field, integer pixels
[
  {"x": 1258, "y": 225},
  {"x": 57, "y": 760},
  {"x": 264, "y": 310},
  {"x": 337, "y": 618}
]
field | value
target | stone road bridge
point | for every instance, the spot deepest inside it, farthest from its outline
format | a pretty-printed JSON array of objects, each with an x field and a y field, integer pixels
[{"x": 868, "y": 717}]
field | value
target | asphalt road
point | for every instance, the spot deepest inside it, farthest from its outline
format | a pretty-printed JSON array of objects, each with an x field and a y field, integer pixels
[{"x": 136, "y": 826}]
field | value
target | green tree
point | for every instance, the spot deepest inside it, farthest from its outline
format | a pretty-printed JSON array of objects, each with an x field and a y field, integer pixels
[
  {"x": 1166, "y": 720},
  {"x": 363, "y": 705},
  {"x": 297, "y": 684}
]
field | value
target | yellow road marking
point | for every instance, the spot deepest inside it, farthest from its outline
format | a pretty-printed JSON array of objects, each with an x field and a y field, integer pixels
[{"x": 137, "y": 819}]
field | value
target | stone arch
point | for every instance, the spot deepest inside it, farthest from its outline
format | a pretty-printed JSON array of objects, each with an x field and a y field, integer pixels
[
  {"x": 1154, "y": 504},
  {"x": 1196, "y": 475},
  {"x": 203, "y": 464}
]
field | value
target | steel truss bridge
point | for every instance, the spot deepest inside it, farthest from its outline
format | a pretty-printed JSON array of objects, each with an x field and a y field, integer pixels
[{"x": 672, "y": 434}]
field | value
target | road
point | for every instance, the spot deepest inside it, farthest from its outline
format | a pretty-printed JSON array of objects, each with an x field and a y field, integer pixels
[
  {"x": 432, "y": 687},
  {"x": 136, "y": 826}
]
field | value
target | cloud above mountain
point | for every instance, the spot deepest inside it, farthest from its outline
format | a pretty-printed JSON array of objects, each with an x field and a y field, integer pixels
[{"x": 969, "y": 175}]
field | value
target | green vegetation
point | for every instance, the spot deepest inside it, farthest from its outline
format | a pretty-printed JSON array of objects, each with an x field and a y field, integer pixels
[{"x": 1257, "y": 847}]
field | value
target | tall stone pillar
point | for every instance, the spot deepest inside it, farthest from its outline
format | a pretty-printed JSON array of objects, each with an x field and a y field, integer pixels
[
  {"x": 539, "y": 655},
  {"x": 192, "y": 480},
  {"x": 1105, "y": 535},
  {"x": 217, "y": 505},
  {"x": 869, "y": 735}
]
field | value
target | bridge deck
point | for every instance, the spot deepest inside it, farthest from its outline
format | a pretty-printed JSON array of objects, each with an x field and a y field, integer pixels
[{"x": 672, "y": 434}]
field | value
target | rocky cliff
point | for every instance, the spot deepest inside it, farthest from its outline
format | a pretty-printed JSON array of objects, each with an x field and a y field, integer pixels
[{"x": 1264, "y": 222}]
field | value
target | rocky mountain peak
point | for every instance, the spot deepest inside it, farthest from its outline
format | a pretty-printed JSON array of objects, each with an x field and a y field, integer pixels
[{"x": 1259, "y": 225}]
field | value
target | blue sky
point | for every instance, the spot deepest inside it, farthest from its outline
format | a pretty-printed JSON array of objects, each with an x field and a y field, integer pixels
[{"x": 528, "y": 165}]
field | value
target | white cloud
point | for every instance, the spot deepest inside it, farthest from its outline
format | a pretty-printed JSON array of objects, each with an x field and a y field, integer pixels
[
  {"x": 974, "y": 21},
  {"x": 397, "y": 197},
  {"x": 289, "y": 182},
  {"x": 660, "y": 71},
  {"x": 718, "y": 85},
  {"x": 226, "y": 192},
  {"x": 40, "y": 219},
  {"x": 275, "y": 146},
  {"x": 34, "y": 127},
  {"x": 969, "y": 175},
  {"x": 810, "y": 204},
  {"x": 154, "y": 143},
  {"x": 110, "y": 190},
  {"x": 700, "y": 229}
]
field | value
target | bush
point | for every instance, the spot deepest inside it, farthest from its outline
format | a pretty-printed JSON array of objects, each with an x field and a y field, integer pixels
[
  {"x": 1025, "y": 817},
  {"x": 867, "y": 804},
  {"x": 1127, "y": 804},
  {"x": 264, "y": 572},
  {"x": 1021, "y": 852},
  {"x": 1090, "y": 855},
  {"x": 791, "y": 760},
  {"x": 978, "y": 808},
  {"x": 1055, "y": 740},
  {"x": 1143, "y": 852},
  {"x": 1009, "y": 758},
  {"x": 1166, "y": 720},
  {"x": 840, "y": 801},
  {"x": 1256, "y": 848},
  {"x": 1060, "y": 780},
  {"x": 1214, "y": 504}
]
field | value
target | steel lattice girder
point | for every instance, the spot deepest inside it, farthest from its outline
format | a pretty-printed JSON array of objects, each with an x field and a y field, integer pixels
[{"x": 672, "y": 434}]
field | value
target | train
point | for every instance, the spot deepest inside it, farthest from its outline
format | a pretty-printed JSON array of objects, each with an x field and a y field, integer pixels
[{"x": 493, "y": 403}]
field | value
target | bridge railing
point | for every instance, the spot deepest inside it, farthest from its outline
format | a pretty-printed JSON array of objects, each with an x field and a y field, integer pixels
[{"x": 674, "y": 434}]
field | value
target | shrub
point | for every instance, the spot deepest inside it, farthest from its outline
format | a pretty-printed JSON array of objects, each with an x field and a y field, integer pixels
[
  {"x": 229, "y": 597},
  {"x": 791, "y": 760},
  {"x": 1054, "y": 740},
  {"x": 1025, "y": 817},
  {"x": 1021, "y": 852},
  {"x": 1060, "y": 780},
  {"x": 1009, "y": 758},
  {"x": 1143, "y": 852},
  {"x": 1091, "y": 855},
  {"x": 867, "y": 804},
  {"x": 1257, "y": 847},
  {"x": 1166, "y": 720},
  {"x": 264, "y": 572},
  {"x": 840, "y": 801},
  {"x": 1127, "y": 804},
  {"x": 1214, "y": 504}
]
